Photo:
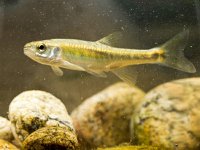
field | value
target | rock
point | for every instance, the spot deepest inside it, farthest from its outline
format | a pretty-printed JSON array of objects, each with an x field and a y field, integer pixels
[
  {"x": 5, "y": 129},
  {"x": 169, "y": 115},
  {"x": 5, "y": 145},
  {"x": 104, "y": 119},
  {"x": 51, "y": 138},
  {"x": 32, "y": 110},
  {"x": 130, "y": 148}
]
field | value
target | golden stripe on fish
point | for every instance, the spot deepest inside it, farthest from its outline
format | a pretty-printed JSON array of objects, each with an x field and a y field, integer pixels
[{"x": 84, "y": 51}]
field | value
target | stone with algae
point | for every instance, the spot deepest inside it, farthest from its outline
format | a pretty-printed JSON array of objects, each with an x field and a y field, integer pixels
[
  {"x": 5, "y": 129},
  {"x": 5, "y": 145},
  {"x": 104, "y": 119},
  {"x": 130, "y": 148},
  {"x": 169, "y": 116},
  {"x": 54, "y": 138},
  {"x": 32, "y": 110}
]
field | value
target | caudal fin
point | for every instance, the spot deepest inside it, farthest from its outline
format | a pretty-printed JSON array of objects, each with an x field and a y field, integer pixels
[{"x": 174, "y": 56}]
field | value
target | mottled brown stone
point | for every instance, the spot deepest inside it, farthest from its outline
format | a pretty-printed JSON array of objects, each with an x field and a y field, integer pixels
[
  {"x": 169, "y": 116},
  {"x": 104, "y": 119}
]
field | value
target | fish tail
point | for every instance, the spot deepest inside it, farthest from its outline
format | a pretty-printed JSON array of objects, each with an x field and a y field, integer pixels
[{"x": 173, "y": 53}]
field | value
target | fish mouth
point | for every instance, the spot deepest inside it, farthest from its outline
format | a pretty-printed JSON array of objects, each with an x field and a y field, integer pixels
[{"x": 28, "y": 52}]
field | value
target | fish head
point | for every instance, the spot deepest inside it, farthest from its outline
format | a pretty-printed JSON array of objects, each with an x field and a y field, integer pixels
[{"x": 44, "y": 52}]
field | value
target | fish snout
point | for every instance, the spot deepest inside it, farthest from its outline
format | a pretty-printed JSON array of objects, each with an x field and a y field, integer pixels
[{"x": 27, "y": 49}]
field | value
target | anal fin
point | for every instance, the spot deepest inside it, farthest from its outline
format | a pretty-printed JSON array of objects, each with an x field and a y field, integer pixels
[
  {"x": 127, "y": 74},
  {"x": 97, "y": 73}
]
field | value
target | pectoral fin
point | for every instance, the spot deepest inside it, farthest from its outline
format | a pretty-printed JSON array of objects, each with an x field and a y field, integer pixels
[
  {"x": 127, "y": 74},
  {"x": 68, "y": 65},
  {"x": 57, "y": 70}
]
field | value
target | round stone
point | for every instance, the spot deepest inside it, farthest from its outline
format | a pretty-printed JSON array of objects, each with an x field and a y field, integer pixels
[
  {"x": 5, "y": 145},
  {"x": 51, "y": 138},
  {"x": 104, "y": 119},
  {"x": 168, "y": 116},
  {"x": 32, "y": 110},
  {"x": 5, "y": 129}
]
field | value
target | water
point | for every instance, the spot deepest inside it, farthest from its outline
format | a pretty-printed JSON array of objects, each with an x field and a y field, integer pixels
[{"x": 148, "y": 24}]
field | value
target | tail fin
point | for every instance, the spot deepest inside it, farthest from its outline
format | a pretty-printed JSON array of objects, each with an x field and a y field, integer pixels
[{"x": 174, "y": 56}]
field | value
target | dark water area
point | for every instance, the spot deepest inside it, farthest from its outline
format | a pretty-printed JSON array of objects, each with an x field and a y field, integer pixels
[{"x": 146, "y": 24}]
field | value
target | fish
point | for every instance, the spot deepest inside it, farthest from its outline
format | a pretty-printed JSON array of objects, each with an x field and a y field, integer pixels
[{"x": 102, "y": 56}]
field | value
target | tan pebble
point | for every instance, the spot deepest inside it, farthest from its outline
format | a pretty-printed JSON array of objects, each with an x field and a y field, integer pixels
[
  {"x": 4, "y": 145},
  {"x": 60, "y": 138},
  {"x": 104, "y": 119},
  {"x": 32, "y": 110},
  {"x": 169, "y": 116},
  {"x": 143, "y": 147},
  {"x": 5, "y": 129}
]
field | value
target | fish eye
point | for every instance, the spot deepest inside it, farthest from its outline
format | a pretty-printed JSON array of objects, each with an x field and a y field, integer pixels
[{"x": 41, "y": 48}]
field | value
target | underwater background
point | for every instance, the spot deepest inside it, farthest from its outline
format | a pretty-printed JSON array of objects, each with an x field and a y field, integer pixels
[{"x": 147, "y": 24}]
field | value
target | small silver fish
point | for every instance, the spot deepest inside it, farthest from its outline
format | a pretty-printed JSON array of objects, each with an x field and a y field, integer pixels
[{"x": 100, "y": 57}]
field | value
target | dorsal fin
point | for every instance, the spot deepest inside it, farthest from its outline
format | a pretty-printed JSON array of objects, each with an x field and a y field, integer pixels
[{"x": 112, "y": 39}]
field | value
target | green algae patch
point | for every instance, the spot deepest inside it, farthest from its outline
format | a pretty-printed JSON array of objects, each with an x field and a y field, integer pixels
[
  {"x": 130, "y": 148},
  {"x": 61, "y": 138}
]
